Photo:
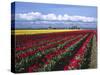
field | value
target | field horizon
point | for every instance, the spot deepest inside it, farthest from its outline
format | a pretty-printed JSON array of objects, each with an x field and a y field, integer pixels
[{"x": 43, "y": 31}]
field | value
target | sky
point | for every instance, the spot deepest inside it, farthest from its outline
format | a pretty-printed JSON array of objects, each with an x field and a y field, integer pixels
[{"x": 26, "y": 11}]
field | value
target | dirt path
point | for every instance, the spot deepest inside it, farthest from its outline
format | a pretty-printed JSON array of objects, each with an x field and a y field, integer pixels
[{"x": 93, "y": 63}]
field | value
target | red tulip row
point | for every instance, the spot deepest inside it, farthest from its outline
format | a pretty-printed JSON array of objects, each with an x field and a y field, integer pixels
[
  {"x": 25, "y": 38},
  {"x": 43, "y": 48},
  {"x": 31, "y": 43},
  {"x": 77, "y": 59},
  {"x": 30, "y": 39},
  {"x": 52, "y": 55},
  {"x": 53, "y": 52},
  {"x": 38, "y": 53}
]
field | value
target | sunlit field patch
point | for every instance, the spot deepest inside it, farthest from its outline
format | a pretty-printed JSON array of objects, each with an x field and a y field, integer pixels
[{"x": 28, "y": 32}]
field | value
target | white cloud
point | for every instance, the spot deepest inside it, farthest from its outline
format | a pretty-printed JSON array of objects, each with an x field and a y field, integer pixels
[
  {"x": 29, "y": 16},
  {"x": 51, "y": 16}
]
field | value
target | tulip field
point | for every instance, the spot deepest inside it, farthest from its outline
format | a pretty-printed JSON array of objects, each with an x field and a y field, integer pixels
[{"x": 53, "y": 51}]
